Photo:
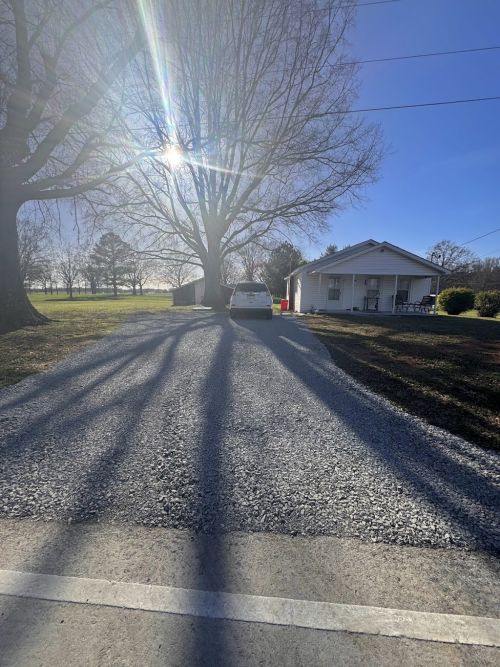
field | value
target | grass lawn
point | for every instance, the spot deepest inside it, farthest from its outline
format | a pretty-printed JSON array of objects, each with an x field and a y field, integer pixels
[
  {"x": 74, "y": 323},
  {"x": 443, "y": 369}
]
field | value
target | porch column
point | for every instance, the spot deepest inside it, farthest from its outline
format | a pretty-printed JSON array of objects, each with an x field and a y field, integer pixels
[
  {"x": 352, "y": 292},
  {"x": 320, "y": 295},
  {"x": 395, "y": 293},
  {"x": 437, "y": 293}
]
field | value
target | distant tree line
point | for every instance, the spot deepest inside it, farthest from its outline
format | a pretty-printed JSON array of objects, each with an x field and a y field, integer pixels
[
  {"x": 113, "y": 264},
  {"x": 466, "y": 269}
]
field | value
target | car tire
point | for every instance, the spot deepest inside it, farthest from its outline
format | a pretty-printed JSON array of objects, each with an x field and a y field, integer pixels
[{"x": 269, "y": 316}]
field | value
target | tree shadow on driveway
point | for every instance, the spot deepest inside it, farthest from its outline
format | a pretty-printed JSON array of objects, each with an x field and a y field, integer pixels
[
  {"x": 434, "y": 464},
  {"x": 430, "y": 463},
  {"x": 88, "y": 496}
]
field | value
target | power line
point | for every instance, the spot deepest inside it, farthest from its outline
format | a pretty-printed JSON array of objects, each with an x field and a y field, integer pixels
[
  {"x": 420, "y": 55},
  {"x": 354, "y": 4},
  {"x": 367, "y": 110},
  {"x": 493, "y": 231},
  {"x": 416, "y": 106},
  {"x": 376, "y": 2}
]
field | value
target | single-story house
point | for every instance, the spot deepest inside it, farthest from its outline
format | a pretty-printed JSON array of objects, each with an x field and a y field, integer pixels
[
  {"x": 191, "y": 294},
  {"x": 368, "y": 276}
]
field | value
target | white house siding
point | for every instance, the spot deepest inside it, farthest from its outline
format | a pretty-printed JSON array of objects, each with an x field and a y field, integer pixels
[
  {"x": 380, "y": 261},
  {"x": 309, "y": 296}
]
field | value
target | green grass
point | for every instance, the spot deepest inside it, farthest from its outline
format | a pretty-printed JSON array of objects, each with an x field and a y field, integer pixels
[
  {"x": 443, "y": 369},
  {"x": 74, "y": 323}
]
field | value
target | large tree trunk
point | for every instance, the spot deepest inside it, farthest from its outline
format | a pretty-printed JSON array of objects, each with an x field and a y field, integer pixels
[
  {"x": 213, "y": 293},
  {"x": 15, "y": 308}
]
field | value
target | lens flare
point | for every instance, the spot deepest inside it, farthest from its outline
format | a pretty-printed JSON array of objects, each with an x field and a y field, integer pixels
[
  {"x": 151, "y": 17},
  {"x": 173, "y": 156}
]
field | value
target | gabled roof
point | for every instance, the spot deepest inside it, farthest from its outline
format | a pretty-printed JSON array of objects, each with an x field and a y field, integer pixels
[
  {"x": 340, "y": 254},
  {"x": 362, "y": 249}
]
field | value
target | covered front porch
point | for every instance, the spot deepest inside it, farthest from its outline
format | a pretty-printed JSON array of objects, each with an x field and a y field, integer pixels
[{"x": 365, "y": 293}]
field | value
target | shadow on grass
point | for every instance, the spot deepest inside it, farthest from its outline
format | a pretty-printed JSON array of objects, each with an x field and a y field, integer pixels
[
  {"x": 439, "y": 325},
  {"x": 452, "y": 384}
]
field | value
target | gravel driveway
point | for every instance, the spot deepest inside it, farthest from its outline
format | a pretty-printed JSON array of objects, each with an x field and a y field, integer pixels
[{"x": 194, "y": 421}]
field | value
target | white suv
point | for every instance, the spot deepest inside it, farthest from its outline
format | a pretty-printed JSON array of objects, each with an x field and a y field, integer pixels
[{"x": 251, "y": 297}]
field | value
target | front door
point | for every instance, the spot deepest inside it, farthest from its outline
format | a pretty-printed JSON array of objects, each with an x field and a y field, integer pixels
[
  {"x": 334, "y": 293},
  {"x": 372, "y": 294}
]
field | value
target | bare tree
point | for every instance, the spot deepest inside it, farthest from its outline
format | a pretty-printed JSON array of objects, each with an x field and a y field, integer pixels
[
  {"x": 450, "y": 255},
  {"x": 47, "y": 277},
  {"x": 33, "y": 250},
  {"x": 140, "y": 269},
  {"x": 252, "y": 257},
  {"x": 486, "y": 273},
  {"x": 91, "y": 273},
  {"x": 252, "y": 129},
  {"x": 68, "y": 265},
  {"x": 60, "y": 61},
  {"x": 230, "y": 271},
  {"x": 177, "y": 274}
]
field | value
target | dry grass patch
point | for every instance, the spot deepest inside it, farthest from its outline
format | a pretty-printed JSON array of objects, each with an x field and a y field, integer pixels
[{"x": 74, "y": 323}]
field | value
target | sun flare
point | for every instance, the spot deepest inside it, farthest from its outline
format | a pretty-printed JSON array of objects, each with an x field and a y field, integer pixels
[{"x": 173, "y": 156}]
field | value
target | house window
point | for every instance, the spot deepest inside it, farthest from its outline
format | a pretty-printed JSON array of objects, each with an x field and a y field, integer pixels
[
  {"x": 372, "y": 287},
  {"x": 403, "y": 292},
  {"x": 333, "y": 288}
]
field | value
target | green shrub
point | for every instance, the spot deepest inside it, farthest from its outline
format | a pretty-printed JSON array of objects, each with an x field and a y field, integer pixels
[
  {"x": 487, "y": 303},
  {"x": 456, "y": 300}
]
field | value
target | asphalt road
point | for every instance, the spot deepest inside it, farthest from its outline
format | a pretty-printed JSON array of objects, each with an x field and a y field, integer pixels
[
  {"x": 46, "y": 632},
  {"x": 194, "y": 421}
]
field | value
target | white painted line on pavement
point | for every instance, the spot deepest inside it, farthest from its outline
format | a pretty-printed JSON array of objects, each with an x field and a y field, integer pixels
[{"x": 450, "y": 628}]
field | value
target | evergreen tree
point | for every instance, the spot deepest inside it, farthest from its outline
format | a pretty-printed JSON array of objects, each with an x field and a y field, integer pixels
[
  {"x": 330, "y": 249},
  {"x": 112, "y": 257},
  {"x": 284, "y": 259}
]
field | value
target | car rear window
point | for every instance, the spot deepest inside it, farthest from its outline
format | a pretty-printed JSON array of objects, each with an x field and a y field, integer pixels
[{"x": 251, "y": 287}]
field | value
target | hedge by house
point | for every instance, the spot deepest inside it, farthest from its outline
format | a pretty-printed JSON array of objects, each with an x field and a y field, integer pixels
[
  {"x": 456, "y": 300},
  {"x": 487, "y": 303}
]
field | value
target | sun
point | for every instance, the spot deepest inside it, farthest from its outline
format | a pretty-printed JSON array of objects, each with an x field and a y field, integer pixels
[{"x": 173, "y": 156}]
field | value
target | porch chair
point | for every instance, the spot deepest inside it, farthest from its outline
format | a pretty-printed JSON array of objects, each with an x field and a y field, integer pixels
[
  {"x": 400, "y": 304},
  {"x": 424, "y": 305}
]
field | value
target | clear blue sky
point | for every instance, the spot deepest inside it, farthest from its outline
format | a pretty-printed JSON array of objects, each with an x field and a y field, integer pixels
[{"x": 441, "y": 176}]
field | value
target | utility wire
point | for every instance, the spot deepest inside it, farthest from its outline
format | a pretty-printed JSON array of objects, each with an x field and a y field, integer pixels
[
  {"x": 376, "y": 2},
  {"x": 431, "y": 54},
  {"x": 354, "y": 4},
  {"x": 351, "y": 111},
  {"x": 415, "y": 106},
  {"x": 493, "y": 231}
]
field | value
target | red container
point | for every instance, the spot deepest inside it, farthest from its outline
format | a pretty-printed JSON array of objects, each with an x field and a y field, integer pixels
[{"x": 284, "y": 304}]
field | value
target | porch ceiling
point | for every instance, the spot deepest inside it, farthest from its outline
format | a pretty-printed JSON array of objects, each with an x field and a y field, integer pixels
[{"x": 331, "y": 272}]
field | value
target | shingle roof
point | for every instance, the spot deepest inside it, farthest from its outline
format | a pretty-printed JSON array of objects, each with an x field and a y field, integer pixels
[{"x": 361, "y": 248}]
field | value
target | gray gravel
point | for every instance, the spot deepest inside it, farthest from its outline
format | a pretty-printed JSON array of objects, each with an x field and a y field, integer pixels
[{"x": 195, "y": 421}]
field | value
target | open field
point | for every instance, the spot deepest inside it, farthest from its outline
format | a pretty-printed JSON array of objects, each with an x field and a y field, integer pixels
[
  {"x": 443, "y": 369},
  {"x": 75, "y": 323}
]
